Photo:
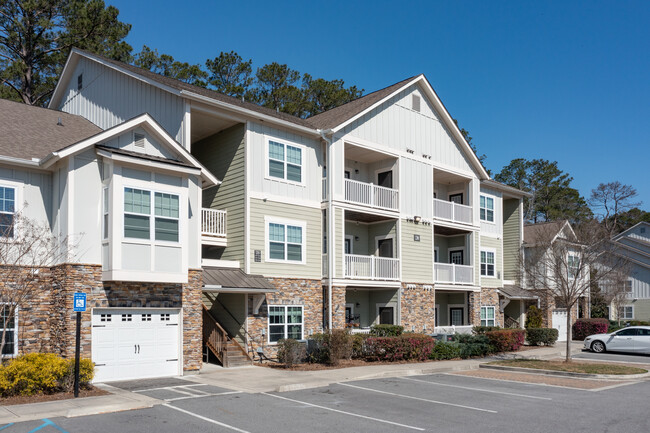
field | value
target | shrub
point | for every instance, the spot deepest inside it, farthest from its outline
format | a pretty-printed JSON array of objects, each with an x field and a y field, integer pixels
[
  {"x": 639, "y": 323},
  {"x": 291, "y": 352},
  {"x": 416, "y": 347},
  {"x": 585, "y": 327},
  {"x": 506, "y": 340},
  {"x": 545, "y": 336},
  {"x": 443, "y": 350},
  {"x": 42, "y": 373},
  {"x": 480, "y": 330},
  {"x": 533, "y": 317},
  {"x": 473, "y": 345},
  {"x": 358, "y": 343},
  {"x": 386, "y": 330},
  {"x": 331, "y": 347}
]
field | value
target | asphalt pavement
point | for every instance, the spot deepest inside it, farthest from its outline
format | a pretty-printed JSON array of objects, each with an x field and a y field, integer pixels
[{"x": 613, "y": 357}]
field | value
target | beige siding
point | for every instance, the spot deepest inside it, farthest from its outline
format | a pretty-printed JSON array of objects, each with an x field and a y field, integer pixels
[
  {"x": 641, "y": 309},
  {"x": 511, "y": 238},
  {"x": 417, "y": 257},
  {"x": 223, "y": 155},
  {"x": 489, "y": 242},
  {"x": 310, "y": 216},
  {"x": 339, "y": 235}
]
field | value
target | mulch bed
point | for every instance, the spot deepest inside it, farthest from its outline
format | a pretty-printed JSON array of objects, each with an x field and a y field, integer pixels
[{"x": 39, "y": 398}]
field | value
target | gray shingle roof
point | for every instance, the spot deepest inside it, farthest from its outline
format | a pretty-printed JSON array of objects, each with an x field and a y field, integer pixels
[
  {"x": 516, "y": 292},
  {"x": 540, "y": 232},
  {"x": 32, "y": 132}
]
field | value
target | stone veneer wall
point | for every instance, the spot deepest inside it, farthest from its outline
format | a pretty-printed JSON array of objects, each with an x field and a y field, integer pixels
[
  {"x": 47, "y": 322},
  {"x": 487, "y": 297},
  {"x": 417, "y": 308}
]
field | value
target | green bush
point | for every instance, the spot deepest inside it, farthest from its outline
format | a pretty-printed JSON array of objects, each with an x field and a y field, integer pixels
[
  {"x": 444, "y": 350},
  {"x": 473, "y": 345},
  {"x": 42, "y": 373},
  {"x": 533, "y": 317},
  {"x": 291, "y": 352},
  {"x": 639, "y": 323},
  {"x": 386, "y": 330},
  {"x": 407, "y": 347},
  {"x": 480, "y": 330},
  {"x": 545, "y": 336},
  {"x": 331, "y": 347},
  {"x": 358, "y": 343},
  {"x": 506, "y": 340}
]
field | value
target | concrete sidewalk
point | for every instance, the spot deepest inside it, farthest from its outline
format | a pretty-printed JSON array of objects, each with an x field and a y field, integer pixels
[{"x": 248, "y": 379}]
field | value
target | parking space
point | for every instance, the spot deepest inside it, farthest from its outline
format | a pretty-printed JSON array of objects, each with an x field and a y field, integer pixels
[
  {"x": 613, "y": 357},
  {"x": 438, "y": 402}
]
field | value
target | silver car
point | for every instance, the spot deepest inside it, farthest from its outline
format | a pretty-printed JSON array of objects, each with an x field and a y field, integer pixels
[{"x": 634, "y": 339}]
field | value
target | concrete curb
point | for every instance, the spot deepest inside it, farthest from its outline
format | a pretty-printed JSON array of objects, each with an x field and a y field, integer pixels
[{"x": 565, "y": 373}]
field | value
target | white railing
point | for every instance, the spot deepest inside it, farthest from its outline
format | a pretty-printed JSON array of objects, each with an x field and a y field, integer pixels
[
  {"x": 359, "y": 331},
  {"x": 325, "y": 264},
  {"x": 466, "y": 329},
  {"x": 452, "y": 273},
  {"x": 371, "y": 267},
  {"x": 449, "y": 210},
  {"x": 213, "y": 222},
  {"x": 368, "y": 194}
]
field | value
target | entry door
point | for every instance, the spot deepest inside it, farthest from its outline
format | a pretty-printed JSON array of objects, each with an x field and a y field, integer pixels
[
  {"x": 385, "y": 247},
  {"x": 348, "y": 246},
  {"x": 385, "y": 179},
  {"x": 456, "y": 257},
  {"x": 386, "y": 316},
  {"x": 456, "y": 198},
  {"x": 456, "y": 315}
]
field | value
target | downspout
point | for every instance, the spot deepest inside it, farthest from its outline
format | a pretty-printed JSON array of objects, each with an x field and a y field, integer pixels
[{"x": 330, "y": 223}]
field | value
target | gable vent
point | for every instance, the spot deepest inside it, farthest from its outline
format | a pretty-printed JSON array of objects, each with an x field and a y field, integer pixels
[
  {"x": 416, "y": 103},
  {"x": 138, "y": 140}
]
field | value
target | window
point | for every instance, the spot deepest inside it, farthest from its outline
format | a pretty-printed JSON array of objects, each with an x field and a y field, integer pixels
[
  {"x": 627, "y": 312},
  {"x": 7, "y": 209},
  {"x": 573, "y": 265},
  {"x": 11, "y": 332},
  {"x": 487, "y": 208},
  {"x": 487, "y": 263},
  {"x": 628, "y": 286},
  {"x": 285, "y": 322},
  {"x": 105, "y": 214},
  {"x": 285, "y": 242},
  {"x": 165, "y": 317},
  {"x": 285, "y": 161},
  {"x": 80, "y": 81},
  {"x": 127, "y": 317},
  {"x": 137, "y": 215},
  {"x": 487, "y": 316}
]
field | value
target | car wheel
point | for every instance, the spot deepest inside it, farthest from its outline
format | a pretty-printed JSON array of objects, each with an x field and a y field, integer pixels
[{"x": 598, "y": 346}]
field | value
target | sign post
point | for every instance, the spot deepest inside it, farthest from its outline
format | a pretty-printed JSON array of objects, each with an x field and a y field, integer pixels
[{"x": 79, "y": 307}]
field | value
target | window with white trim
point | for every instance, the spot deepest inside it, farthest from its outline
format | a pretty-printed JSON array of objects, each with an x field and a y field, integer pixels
[
  {"x": 627, "y": 312},
  {"x": 8, "y": 325},
  {"x": 487, "y": 263},
  {"x": 487, "y": 316},
  {"x": 285, "y": 321},
  {"x": 285, "y": 161},
  {"x": 7, "y": 211},
  {"x": 285, "y": 242},
  {"x": 486, "y": 208},
  {"x": 573, "y": 266},
  {"x": 628, "y": 286},
  {"x": 137, "y": 215}
]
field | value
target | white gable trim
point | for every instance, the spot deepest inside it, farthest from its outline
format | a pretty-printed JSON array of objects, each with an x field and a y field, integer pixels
[{"x": 626, "y": 232}]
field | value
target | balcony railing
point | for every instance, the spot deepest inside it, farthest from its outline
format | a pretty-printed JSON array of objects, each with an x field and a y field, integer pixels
[
  {"x": 368, "y": 194},
  {"x": 449, "y": 210},
  {"x": 465, "y": 329},
  {"x": 371, "y": 267},
  {"x": 453, "y": 274},
  {"x": 213, "y": 222}
]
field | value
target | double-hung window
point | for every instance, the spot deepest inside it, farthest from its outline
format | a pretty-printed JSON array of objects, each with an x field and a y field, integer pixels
[
  {"x": 573, "y": 266},
  {"x": 285, "y": 321},
  {"x": 487, "y": 316},
  {"x": 285, "y": 161},
  {"x": 137, "y": 215},
  {"x": 487, "y": 263},
  {"x": 487, "y": 208},
  {"x": 8, "y": 325},
  {"x": 7, "y": 210},
  {"x": 286, "y": 242},
  {"x": 627, "y": 312}
]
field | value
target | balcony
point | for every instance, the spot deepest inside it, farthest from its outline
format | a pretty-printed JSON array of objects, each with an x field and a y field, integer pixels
[
  {"x": 213, "y": 227},
  {"x": 453, "y": 274},
  {"x": 371, "y": 268},
  {"x": 451, "y": 211},
  {"x": 368, "y": 194}
]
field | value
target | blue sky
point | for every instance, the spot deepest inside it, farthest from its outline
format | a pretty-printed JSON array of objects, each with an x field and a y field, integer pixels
[{"x": 565, "y": 81}]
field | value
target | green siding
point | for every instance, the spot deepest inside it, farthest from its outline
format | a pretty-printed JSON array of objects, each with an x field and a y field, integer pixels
[
  {"x": 381, "y": 229},
  {"x": 488, "y": 242},
  {"x": 368, "y": 300},
  {"x": 417, "y": 257},
  {"x": 230, "y": 312},
  {"x": 223, "y": 155},
  {"x": 358, "y": 231},
  {"x": 641, "y": 309},
  {"x": 511, "y": 238},
  {"x": 311, "y": 216}
]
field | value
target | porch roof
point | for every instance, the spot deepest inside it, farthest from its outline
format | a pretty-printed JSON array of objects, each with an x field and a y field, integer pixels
[
  {"x": 234, "y": 280},
  {"x": 516, "y": 292}
]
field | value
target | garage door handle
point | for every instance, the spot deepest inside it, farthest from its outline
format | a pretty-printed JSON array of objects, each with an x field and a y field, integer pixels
[
  {"x": 138, "y": 348},
  {"x": 135, "y": 348}
]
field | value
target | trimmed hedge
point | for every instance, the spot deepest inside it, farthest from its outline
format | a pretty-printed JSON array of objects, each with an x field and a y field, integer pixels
[
  {"x": 473, "y": 346},
  {"x": 545, "y": 336},
  {"x": 586, "y": 327},
  {"x": 444, "y": 350},
  {"x": 481, "y": 330},
  {"x": 506, "y": 340},
  {"x": 291, "y": 352},
  {"x": 407, "y": 347},
  {"x": 534, "y": 317},
  {"x": 331, "y": 347},
  {"x": 42, "y": 373},
  {"x": 386, "y": 330}
]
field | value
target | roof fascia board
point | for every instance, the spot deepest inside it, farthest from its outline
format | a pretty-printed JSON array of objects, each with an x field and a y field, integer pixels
[
  {"x": 506, "y": 188},
  {"x": 19, "y": 161},
  {"x": 625, "y": 233},
  {"x": 64, "y": 78}
]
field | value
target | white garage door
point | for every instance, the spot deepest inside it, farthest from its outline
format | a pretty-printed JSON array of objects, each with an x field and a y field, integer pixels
[
  {"x": 559, "y": 323},
  {"x": 134, "y": 343}
]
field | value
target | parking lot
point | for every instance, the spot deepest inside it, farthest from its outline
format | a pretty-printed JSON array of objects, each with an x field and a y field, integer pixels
[
  {"x": 612, "y": 357},
  {"x": 439, "y": 402}
]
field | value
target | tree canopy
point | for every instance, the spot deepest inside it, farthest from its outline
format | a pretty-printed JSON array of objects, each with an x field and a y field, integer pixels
[{"x": 611, "y": 200}]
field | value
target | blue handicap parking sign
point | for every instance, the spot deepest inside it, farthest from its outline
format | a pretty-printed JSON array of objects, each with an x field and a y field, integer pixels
[{"x": 79, "y": 302}]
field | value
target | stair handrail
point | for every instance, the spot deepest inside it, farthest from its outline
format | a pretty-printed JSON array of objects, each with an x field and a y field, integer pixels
[
  {"x": 241, "y": 326},
  {"x": 215, "y": 335}
]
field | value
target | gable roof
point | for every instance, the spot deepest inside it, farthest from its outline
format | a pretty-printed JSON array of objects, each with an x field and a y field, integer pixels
[
  {"x": 30, "y": 132},
  {"x": 626, "y": 232},
  {"x": 539, "y": 232}
]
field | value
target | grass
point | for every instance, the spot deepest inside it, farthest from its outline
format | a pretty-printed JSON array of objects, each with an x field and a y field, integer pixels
[{"x": 573, "y": 367}]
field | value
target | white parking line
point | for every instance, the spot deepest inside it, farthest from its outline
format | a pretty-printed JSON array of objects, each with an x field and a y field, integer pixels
[
  {"x": 203, "y": 396},
  {"x": 169, "y": 387},
  {"x": 476, "y": 389},
  {"x": 345, "y": 413},
  {"x": 206, "y": 419},
  {"x": 418, "y": 398}
]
